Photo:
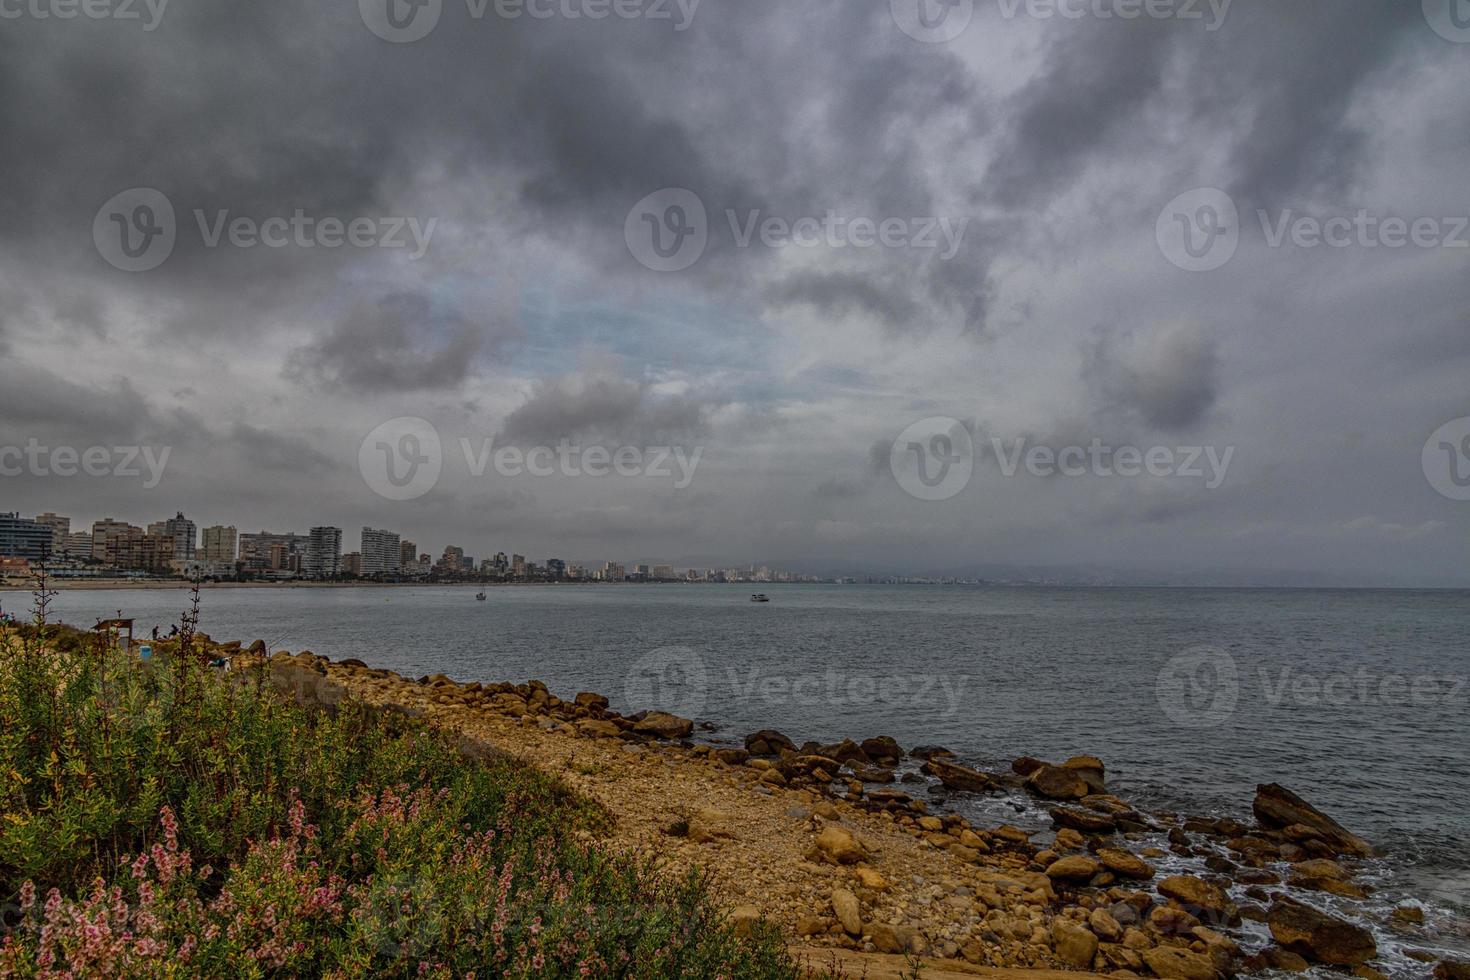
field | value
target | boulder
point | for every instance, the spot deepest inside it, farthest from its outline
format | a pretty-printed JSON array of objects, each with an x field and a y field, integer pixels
[
  {"x": 836, "y": 846},
  {"x": 731, "y": 757},
  {"x": 1105, "y": 926},
  {"x": 1201, "y": 898},
  {"x": 589, "y": 700},
  {"x": 845, "y": 907},
  {"x": 1073, "y": 943},
  {"x": 956, "y": 776},
  {"x": 1026, "y": 765},
  {"x": 596, "y": 728},
  {"x": 1124, "y": 863},
  {"x": 1277, "y": 808},
  {"x": 885, "y": 938},
  {"x": 661, "y": 724},
  {"x": 1087, "y": 821},
  {"x": 1171, "y": 962},
  {"x": 930, "y": 751},
  {"x": 1057, "y": 783},
  {"x": 1074, "y": 868},
  {"x": 845, "y": 751},
  {"x": 872, "y": 880},
  {"x": 1451, "y": 970},
  {"x": 882, "y": 749},
  {"x": 1090, "y": 768},
  {"x": 1319, "y": 937},
  {"x": 768, "y": 742}
]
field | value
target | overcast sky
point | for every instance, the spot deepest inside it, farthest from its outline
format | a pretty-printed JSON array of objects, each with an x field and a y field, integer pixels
[{"x": 1037, "y": 175}]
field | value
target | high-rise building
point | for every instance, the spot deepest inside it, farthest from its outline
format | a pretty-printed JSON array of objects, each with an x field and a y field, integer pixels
[
  {"x": 381, "y": 552},
  {"x": 255, "y": 549},
  {"x": 612, "y": 572},
  {"x": 22, "y": 538},
  {"x": 101, "y": 529},
  {"x": 556, "y": 568},
  {"x": 323, "y": 553},
  {"x": 60, "y": 530},
  {"x": 663, "y": 573},
  {"x": 518, "y": 566},
  {"x": 79, "y": 544},
  {"x": 352, "y": 564},
  {"x": 219, "y": 543},
  {"x": 408, "y": 552},
  {"x": 182, "y": 530},
  {"x": 452, "y": 560}
]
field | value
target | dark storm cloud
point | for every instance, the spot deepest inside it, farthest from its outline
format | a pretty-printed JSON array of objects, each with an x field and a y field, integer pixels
[
  {"x": 600, "y": 404},
  {"x": 400, "y": 343},
  {"x": 1166, "y": 377},
  {"x": 1276, "y": 82},
  {"x": 277, "y": 450}
]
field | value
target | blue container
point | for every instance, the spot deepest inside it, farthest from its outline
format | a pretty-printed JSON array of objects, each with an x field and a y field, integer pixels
[{"x": 145, "y": 652}]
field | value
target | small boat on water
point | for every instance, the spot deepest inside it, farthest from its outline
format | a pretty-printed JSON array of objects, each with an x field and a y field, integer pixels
[
  {"x": 759, "y": 597},
  {"x": 481, "y": 597}
]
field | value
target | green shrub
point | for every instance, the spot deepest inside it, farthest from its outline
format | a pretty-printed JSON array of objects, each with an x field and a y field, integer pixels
[{"x": 163, "y": 820}]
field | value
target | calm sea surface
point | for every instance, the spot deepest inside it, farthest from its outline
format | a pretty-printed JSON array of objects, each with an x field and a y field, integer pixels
[{"x": 1356, "y": 699}]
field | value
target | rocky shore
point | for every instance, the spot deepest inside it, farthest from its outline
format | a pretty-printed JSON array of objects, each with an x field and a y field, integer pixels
[{"x": 835, "y": 844}]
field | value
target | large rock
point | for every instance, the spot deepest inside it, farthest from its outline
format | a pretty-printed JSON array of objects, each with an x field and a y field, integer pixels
[
  {"x": 1057, "y": 783},
  {"x": 1201, "y": 898},
  {"x": 882, "y": 749},
  {"x": 1319, "y": 937},
  {"x": 768, "y": 742},
  {"x": 1074, "y": 944},
  {"x": 588, "y": 699},
  {"x": 1090, "y": 768},
  {"x": 1451, "y": 970},
  {"x": 836, "y": 846},
  {"x": 1125, "y": 863},
  {"x": 1171, "y": 962},
  {"x": 845, "y": 907},
  {"x": 1073, "y": 868},
  {"x": 1087, "y": 821},
  {"x": 1277, "y": 808},
  {"x": 956, "y": 776},
  {"x": 661, "y": 724}
]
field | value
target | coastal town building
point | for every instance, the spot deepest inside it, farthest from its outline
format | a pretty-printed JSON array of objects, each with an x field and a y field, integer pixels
[
  {"x": 60, "y": 530},
  {"x": 22, "y": 538},
  {"x": 323, "y": 553},
  {"x": 219, "y": 544},
  {"x": 381, "y": 552},
  {"x": 182, "y": 530},
  {"x": 257, "y": 550}
]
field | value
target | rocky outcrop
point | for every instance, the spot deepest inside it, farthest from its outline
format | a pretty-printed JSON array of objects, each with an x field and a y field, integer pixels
[
  {"x": 1057, "y": 783},
  {"x": 1171, "y": 962},
  {"x": 958, "y": 777},
  {"x": 1201, "y": 898},
  {"x": 1278, "y": 808},
  {"x": 661, "y": 724},
  {"x": 767, "y": 742},
  {"x": 1319, "y": 937}
]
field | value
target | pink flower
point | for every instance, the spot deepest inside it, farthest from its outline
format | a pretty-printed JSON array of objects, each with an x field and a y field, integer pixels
[{"x": 27, "y": 895}]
